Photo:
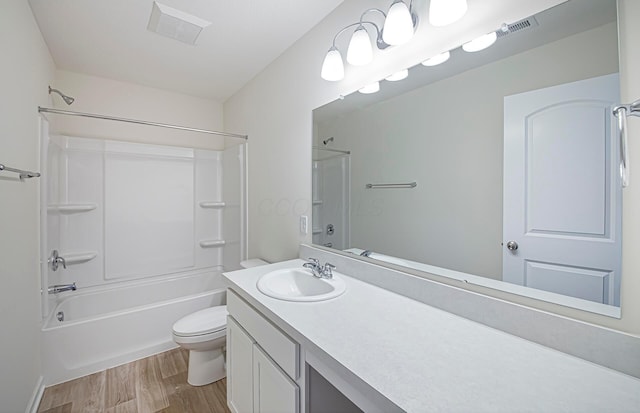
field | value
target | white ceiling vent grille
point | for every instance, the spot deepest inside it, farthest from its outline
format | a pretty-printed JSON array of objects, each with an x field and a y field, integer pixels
[
  {"x": 175, "y": 24},
  {"x": 525, "y": 24}
]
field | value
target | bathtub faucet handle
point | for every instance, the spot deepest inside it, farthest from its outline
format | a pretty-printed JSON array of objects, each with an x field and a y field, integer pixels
[{"x": 55, "y": 260}]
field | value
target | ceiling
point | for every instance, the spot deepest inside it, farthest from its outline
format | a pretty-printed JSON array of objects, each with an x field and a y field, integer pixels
[{"x": 109, "y": 38}]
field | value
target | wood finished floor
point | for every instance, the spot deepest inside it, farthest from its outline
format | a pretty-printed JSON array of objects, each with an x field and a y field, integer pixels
[{"x": 154, "y": 384}]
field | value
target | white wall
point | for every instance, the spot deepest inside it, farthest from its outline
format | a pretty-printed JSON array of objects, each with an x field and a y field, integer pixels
[
  {"x": 275, "y": 110},
  {"x": 25, "y": 71},
  {"x": 127, "y": 100},
  {"x": 455, "y": 156}
]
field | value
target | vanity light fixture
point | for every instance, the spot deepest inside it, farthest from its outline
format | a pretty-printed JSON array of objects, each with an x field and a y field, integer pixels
[
  {"x": 437, "y": 59},
  {"x": 399, "y": 25},
  {"x": 332, "y": 67},
  {"x": 446, "y": 12},
  {"x": 480, "y": 43},
  {"x": 360, "y": 52},
  {"x": 398, "y": 76},
  {"x": 370, "y": 88}
]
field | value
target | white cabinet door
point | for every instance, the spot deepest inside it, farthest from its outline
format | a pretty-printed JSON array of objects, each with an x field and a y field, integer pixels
[
  {"x": 274, "y": 391},
  {"x": 239, "y": 368}
]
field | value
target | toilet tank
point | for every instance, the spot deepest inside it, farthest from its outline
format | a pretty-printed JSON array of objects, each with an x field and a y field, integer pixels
[{"x": 253, "y": 262}]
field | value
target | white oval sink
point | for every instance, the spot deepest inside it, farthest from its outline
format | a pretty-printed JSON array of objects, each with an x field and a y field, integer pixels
[{"x": 299, "y": 284}]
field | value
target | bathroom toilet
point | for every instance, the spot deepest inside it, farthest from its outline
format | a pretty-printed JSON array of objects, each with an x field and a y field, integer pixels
[{"x": 204, "y": 334}]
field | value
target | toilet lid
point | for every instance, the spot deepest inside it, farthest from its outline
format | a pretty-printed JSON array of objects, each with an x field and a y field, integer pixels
[{"x": 202, "y": 322}]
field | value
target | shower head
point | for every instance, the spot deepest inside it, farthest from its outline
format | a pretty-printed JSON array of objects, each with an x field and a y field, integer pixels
[
  {"x": 67, "y": 99},
  {"x": 326, "y": 141}
]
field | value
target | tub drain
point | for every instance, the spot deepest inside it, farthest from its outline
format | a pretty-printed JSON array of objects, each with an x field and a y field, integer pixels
[{"x": 60, "y": 316}]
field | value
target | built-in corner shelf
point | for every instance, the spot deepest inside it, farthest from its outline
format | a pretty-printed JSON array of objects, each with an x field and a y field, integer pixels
[
  {"x": 71, "y": 208},
  {"x": 212, "y": 243},
  {"x": 212, "y": 204},
  {"x": 317, "y": 202},
  {"x": 79, "y": 257}
]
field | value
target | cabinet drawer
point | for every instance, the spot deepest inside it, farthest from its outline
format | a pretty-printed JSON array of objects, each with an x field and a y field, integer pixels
[{"x": 282, "y": 349}]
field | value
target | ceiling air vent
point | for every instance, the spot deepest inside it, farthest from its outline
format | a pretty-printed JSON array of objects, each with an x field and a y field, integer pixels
[
  {"x": 175, "y": 24},
  {"x": 525, "y": 24}
]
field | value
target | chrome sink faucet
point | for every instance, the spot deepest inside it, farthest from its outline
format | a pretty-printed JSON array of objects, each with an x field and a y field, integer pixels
[{"x": 319, "y": 271}]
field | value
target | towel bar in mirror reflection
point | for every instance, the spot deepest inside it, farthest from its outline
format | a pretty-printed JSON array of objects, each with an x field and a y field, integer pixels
[{"x": 391, "y": 186}]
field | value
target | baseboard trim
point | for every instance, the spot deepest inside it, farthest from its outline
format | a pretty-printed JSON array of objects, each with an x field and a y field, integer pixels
[{"x": 34, "y": 402}]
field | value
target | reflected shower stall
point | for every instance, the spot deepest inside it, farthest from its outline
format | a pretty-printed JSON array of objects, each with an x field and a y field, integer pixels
[{"x": 331, "y": 188}]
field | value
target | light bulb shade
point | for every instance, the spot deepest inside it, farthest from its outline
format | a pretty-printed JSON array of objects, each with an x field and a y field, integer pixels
[
  {"x": 445, "y": 12},
  {"x": 398, "y": 26},
  {"x": 437, "y": 59},
  {"x": 332, "y": 67},
  {"x": 370, "y": 88},
  {"x": 398, "y": 75},
  {"x": 360, "y": 51},
  {"x": 480, "y": 43}
]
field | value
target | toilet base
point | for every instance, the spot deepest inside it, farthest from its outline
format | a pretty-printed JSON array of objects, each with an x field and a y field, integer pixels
[{"x": 205, "y": 367}]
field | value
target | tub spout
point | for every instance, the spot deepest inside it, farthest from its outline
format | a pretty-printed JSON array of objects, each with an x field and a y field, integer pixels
[{"x": 55, "y": 289}]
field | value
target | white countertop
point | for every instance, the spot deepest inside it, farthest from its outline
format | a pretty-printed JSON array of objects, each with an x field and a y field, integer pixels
[{"x": 424, "y": 359}]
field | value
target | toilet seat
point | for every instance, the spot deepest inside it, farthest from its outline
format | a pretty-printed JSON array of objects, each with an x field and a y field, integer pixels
[{"x": 203, "y": 322}]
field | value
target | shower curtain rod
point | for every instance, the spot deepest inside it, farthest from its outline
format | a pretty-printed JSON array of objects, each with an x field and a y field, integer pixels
[
  {"x": 139, "y": 122},
  {"x": 332, "y": 150}
]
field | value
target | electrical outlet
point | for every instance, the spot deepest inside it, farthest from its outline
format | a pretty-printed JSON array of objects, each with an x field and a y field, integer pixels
[{"x": 304, "y": 224}]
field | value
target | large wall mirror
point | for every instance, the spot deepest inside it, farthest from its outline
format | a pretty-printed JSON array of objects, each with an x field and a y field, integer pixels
[{"x": 498, "y": 168}]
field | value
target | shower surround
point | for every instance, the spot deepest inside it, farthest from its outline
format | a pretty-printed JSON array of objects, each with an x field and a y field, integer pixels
[{"x": 144, "y": 231}]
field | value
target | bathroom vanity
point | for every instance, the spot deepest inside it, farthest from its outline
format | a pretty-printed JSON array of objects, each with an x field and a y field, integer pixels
[{"x": 374, "y": 350}]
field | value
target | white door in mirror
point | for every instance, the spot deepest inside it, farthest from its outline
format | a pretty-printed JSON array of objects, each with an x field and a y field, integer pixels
[
  {"x": 562, "y": 199},
  {"x": 299, "y": 284}
]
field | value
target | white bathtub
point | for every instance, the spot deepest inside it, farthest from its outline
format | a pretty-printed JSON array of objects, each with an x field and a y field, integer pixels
[{"x": 113, "y": 325}]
